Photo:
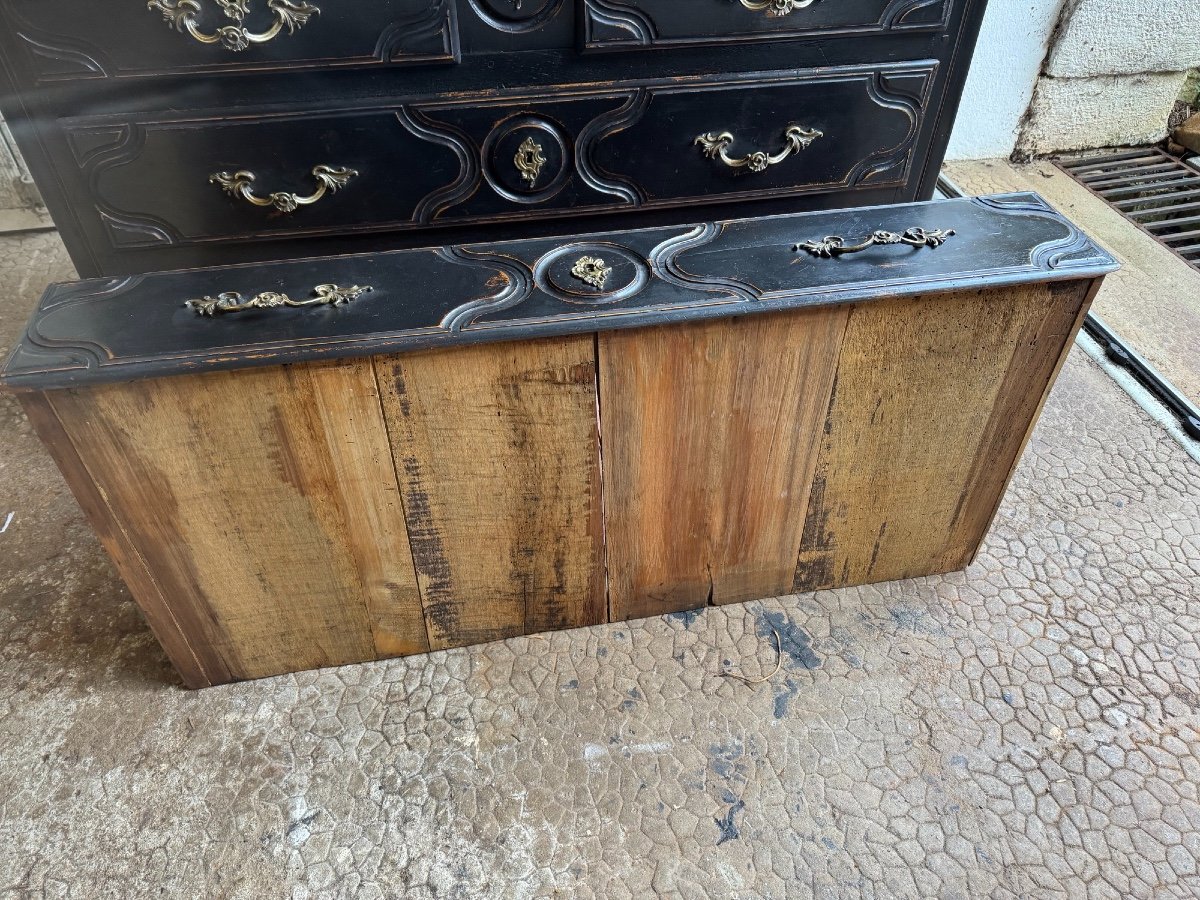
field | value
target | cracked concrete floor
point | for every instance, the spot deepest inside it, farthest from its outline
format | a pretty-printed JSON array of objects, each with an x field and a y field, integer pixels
[{"x": 1028, "y": 728}]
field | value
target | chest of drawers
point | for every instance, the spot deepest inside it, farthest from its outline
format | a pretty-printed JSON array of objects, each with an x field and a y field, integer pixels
[{"x": 182, "y": 133}]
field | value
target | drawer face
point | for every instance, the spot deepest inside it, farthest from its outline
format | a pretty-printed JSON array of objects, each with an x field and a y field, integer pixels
[
  {"x": 651, "y": 145},
  {"x": 625, "y": 24},
  {"x": 64, "y": 40}
]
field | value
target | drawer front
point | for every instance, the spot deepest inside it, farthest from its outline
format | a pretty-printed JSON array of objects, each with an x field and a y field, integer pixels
[
  {"x": 624, "y": 24},
  {"x": 651, "y": 145},
  {"x": 65, "y": 40}
]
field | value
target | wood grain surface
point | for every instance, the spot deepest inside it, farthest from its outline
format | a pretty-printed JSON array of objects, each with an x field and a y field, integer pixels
[
  {"x": 248, "y": 497},
  {"x": 709, "y": 435},
  {"x": 277, "y": 519},
  {"x": 933, "y": 403},
  {"x": 497, "y": 453}
]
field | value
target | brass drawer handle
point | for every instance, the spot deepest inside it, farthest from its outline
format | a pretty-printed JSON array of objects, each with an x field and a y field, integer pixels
[
  {"x": 915, "y": 237},
  {"x": 777, "y": 7},
  {"x": 232, "y": 302},
  {"x": 241, "y": 184},
  {"x": 182, "y": 14},
  {"x": 716, "y": 146}
]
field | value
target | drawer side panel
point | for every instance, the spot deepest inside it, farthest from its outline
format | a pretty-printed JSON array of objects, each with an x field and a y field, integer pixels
[
  {"x": 267, "y": 502},
  {"x": 934, "y": 400}
]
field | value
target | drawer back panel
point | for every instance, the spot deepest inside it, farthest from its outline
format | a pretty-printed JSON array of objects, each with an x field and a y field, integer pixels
[{"x": 650, "y": 144}]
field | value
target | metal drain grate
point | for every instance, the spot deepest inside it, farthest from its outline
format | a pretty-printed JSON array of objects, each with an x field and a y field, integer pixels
[{"x": 1154, "y": 190}]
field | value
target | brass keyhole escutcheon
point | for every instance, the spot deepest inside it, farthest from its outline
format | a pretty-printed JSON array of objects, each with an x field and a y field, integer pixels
[
  {"x": 592, "y": 270},
  {"x": 529, "y": 161}
]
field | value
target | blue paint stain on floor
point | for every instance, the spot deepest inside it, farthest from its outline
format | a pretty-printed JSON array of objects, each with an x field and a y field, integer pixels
[
  {"x": 687, "y": 617},
  {"x": 794, "y": 642},
  {"x": 784, "y": 695},
  {"x": 725, "y": 759},
  {"x": 727, "y": 829},
  {"x": 918, "y": 621}
]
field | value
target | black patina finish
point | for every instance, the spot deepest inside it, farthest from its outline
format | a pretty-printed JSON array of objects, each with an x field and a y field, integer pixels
[
  {"x": 124, "y": 328},
  {"x": 124, "y": 116}
]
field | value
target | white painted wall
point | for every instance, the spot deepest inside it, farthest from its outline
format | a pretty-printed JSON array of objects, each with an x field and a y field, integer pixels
[
  {"x": 1111, "y": 78},
  {"x": 1008, "y": 60}
]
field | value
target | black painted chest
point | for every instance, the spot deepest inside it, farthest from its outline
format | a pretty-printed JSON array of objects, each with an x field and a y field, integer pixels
[{"x": 181, "y": 133}]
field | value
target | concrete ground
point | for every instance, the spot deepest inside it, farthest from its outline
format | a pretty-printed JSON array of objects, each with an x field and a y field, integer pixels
[{"x": 1028, "y": 728}]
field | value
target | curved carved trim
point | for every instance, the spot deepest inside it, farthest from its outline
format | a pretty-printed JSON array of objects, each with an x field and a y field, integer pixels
[
  {"x": 439, "y": 21},
  {"x": 664, "y": 262},
  {"x": 137, "y": 231},
  {"x": 596, "y": 131},
  {"x": 470, "y": 175},
  {"x": 91, "y": 144},
  {"x": 1075, "y": 249},
  {"x": 90, "y": 354},
  {"x": 617, "y": 15},
  {"x": 893, "y": 17},
  {"x": 124, "y": 229},
  {"x": 870, "y": 170},
  {"x": 515, "y": 277},
  {"x": 518, "y": 26},
  {"x": 91, "y": 66}
]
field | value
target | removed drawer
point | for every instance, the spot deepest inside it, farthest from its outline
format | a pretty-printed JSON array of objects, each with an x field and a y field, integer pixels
[
  {"x": 626, "y": 24},
  {"x": 664, "y": 143},
  {"x": 63, "y": 40},
  {"x": 784, "y": 404}
]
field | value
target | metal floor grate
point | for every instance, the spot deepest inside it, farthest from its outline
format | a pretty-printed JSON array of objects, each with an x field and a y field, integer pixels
[{"x": 1156, "y": 191}]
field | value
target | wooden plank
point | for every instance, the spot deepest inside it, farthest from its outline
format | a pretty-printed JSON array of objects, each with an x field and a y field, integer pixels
[
  {"x": 934, "y": 399},
  {"x": 709, "y": 435},
  {"x": 258, "y": 496},
  {"x": 497, "y": 453},
  {"x": 180, "y": 625}
]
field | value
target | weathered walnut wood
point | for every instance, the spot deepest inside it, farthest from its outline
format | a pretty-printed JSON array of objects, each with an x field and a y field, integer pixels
[
  {"x": 497, "y": 454},
  {"x": 264, "y": 504},
  {"x": 710, "y": 432},
  {"x": 933, "y": 405}
]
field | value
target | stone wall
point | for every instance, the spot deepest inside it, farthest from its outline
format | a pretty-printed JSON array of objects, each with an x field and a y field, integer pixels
[
  {"x": 1113, "y": 74},
  {"x": 1054, "y": 75}
]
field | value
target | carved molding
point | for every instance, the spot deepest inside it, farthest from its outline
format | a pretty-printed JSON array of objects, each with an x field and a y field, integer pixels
[
  {"x": 439, "y": 25},
  {"x": 516, "y": 25},
  {"x": 76, "y": 335},
  {"x": 599, "y": 14},
  {"x": 470, "y": 175},
  {"x": 513, "y": 278},
  {"x": 595, "y": 132}
]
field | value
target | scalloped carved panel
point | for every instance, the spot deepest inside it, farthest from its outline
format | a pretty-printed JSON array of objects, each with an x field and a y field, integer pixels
[
  {"x": 617, "y": 24},
  {"x": 66, "y": 40}
]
